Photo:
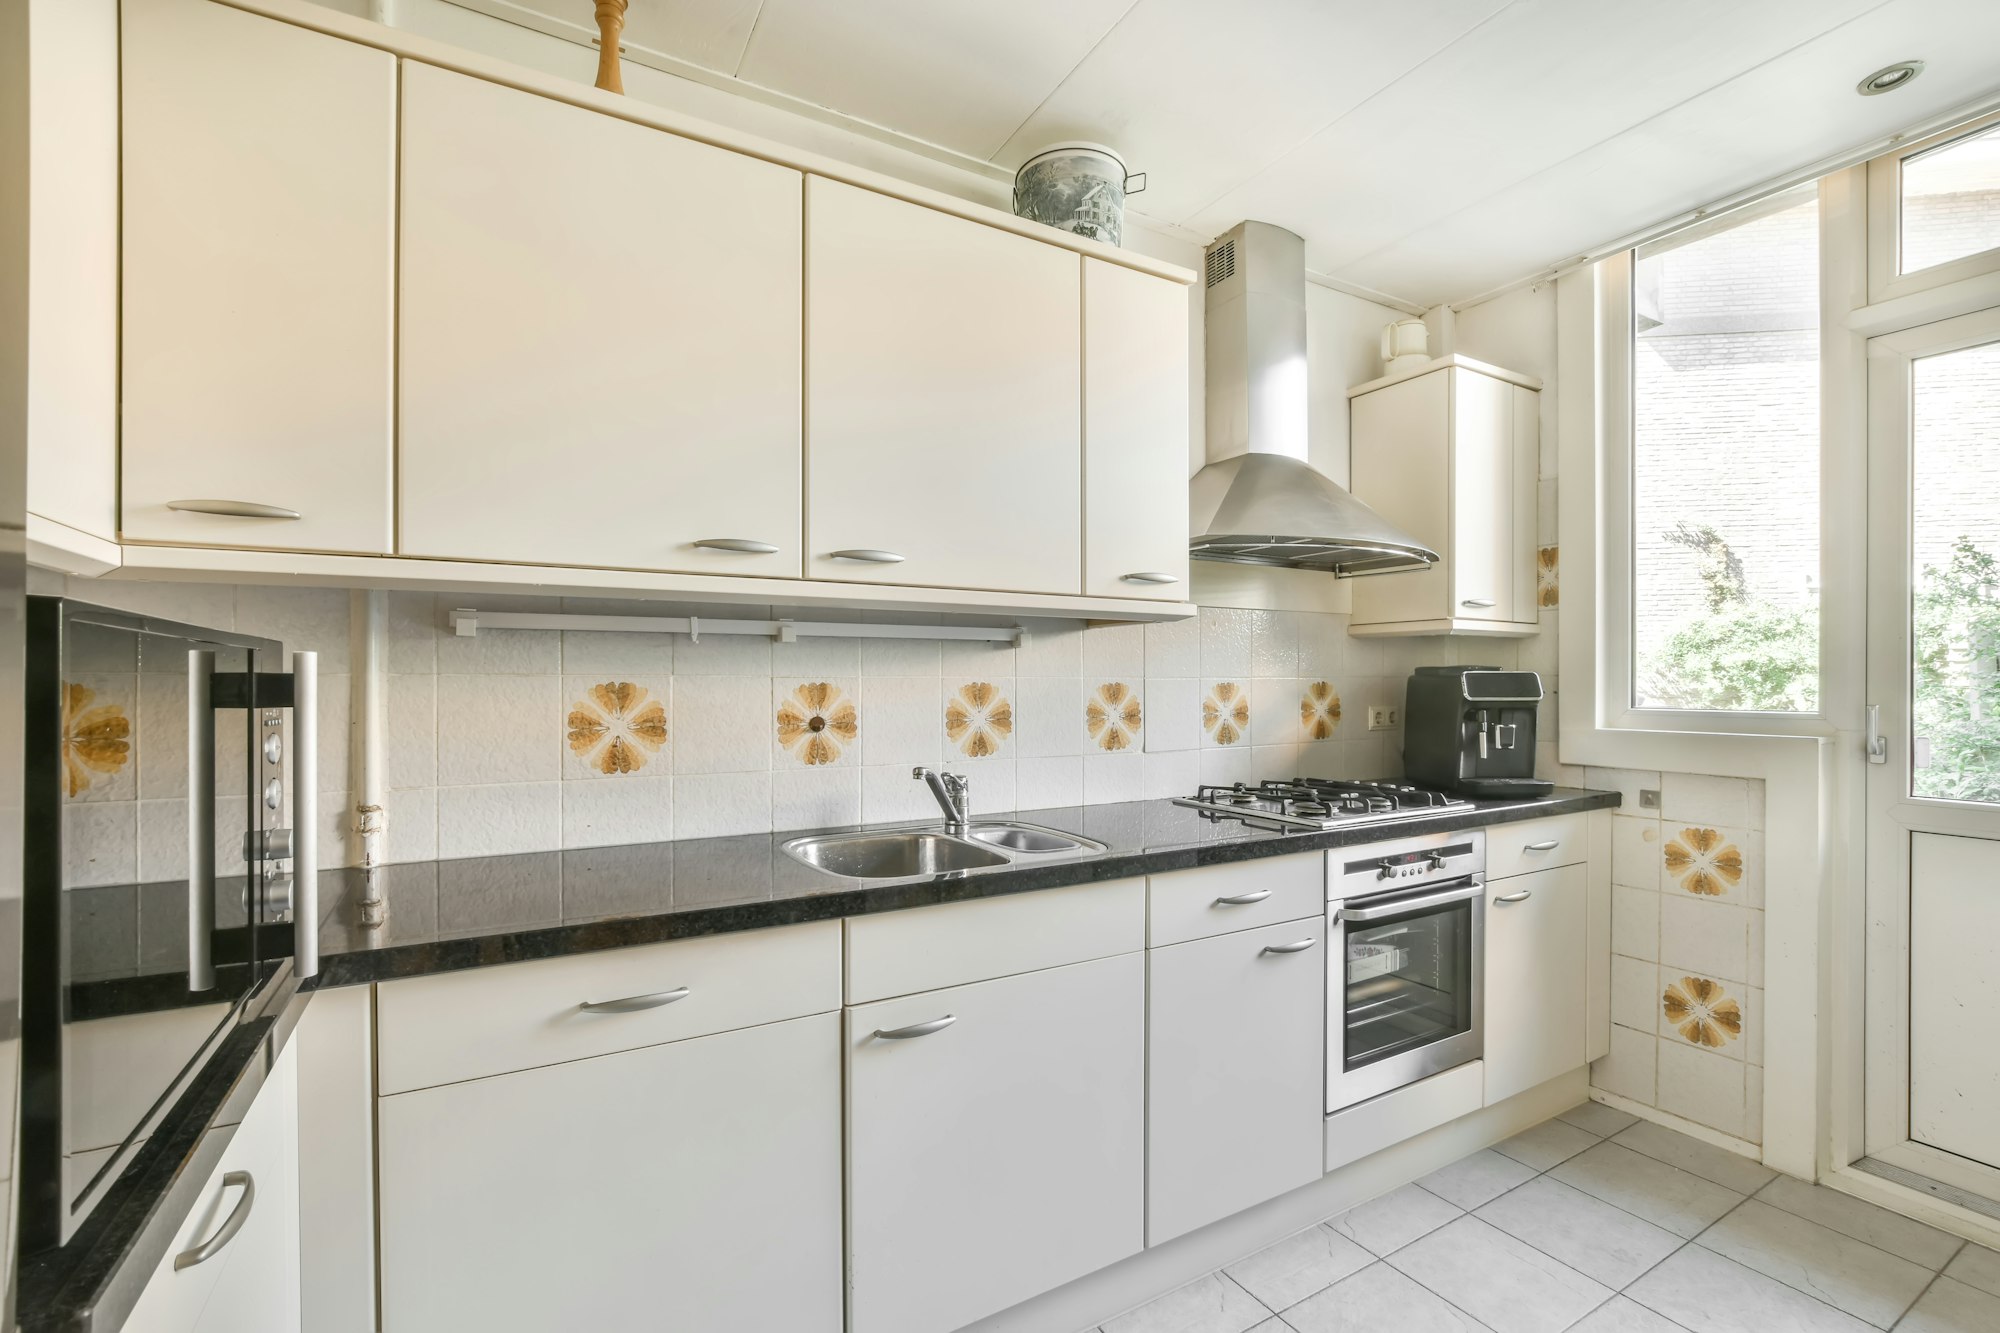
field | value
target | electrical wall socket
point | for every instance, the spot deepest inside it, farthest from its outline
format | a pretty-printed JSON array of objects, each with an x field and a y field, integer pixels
[
  {"x": 1382, "y": 717},
  {"x": 1649, "y": 799}
]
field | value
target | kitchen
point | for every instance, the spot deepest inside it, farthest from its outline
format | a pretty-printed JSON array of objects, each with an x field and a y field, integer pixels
[{"x": 597, "y": 760}]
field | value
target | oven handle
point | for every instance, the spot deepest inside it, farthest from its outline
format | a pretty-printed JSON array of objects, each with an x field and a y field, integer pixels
[
  {"x": 305, "y": 813},
  {"x": 1471, "y": 888},
  {"x": 201, "y": 819}
]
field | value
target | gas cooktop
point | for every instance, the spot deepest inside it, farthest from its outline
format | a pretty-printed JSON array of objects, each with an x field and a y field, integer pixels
[{"x": 1320, "y": 803}]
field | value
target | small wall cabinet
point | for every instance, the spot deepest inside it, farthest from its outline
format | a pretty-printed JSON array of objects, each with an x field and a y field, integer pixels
[
  {"x": 1449, "y": 454},
  {"x": 1135, "y": 408}
]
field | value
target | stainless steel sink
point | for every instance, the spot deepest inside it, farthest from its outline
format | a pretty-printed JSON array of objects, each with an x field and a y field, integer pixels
[
  {"x": 891, "y": 855},
  {"x": 1032, "y": 839}
]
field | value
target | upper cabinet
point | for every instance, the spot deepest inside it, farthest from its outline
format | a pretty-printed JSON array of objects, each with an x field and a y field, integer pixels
[
  {"x": 600, "y": 339},
  {"x": 942, "y": 390},
  {"x": 258, "y": 312},
  {"x": 1449, "y": 455},
  {"x": 1135, "y": 430}
]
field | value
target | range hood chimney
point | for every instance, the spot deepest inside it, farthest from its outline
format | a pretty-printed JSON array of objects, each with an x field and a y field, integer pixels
[{"x": 1258, "y": 502}]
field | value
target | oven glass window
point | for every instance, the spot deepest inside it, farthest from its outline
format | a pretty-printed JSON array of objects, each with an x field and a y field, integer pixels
[{"x": 1409, "y": 982}]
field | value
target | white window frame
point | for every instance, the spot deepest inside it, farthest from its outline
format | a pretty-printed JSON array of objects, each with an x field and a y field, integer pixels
[{"x": 1885, "y": 229}]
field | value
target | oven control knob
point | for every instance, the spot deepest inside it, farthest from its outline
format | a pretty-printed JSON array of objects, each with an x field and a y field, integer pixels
[
  {"x": 274, "y": 793},
  {"x": 274, "y": 748}
]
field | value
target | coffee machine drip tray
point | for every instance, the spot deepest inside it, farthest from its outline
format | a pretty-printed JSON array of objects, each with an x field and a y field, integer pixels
[{"x": 1505, "y": 789}]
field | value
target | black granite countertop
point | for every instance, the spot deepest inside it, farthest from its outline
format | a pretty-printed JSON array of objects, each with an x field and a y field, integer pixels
[{"x": 424, "y": 917}]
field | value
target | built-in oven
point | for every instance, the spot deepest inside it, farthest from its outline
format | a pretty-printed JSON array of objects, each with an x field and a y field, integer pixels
[
  {"x": 1406, "y": 929},
  {"x": 170, "y": 825}
]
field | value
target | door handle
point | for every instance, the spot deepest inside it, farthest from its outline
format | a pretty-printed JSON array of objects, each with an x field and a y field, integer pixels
[
  {"x": 632, "y": 1004},
  {"x": 923, "y": 1029},
  {"x": 1300, "y": 947},
  {"x": 867, "y": 556},
  {"x": 736, "y": 546},
  {"x": 1478, "y": 603},
  {"x": 1519, "y": 897},
  {"x": 1243, "y": 899},
  {"x": 231, "y": 1224},
  {"x": 1150, "y": 576},
  {"x": 233, "y": 508},
  {"x": 1878, "y": 744}
]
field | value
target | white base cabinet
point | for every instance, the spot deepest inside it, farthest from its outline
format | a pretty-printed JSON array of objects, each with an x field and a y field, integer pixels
[
  {"x": 998, "y": 1156},
  {"x": 691, "y": 1185},
  {"x": 1536, "y": 978}
]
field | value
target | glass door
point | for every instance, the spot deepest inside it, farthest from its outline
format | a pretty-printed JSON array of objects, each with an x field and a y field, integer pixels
[{"x": 1408, "y": 982}]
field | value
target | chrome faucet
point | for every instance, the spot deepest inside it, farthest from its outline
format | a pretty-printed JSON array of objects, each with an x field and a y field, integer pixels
[{"x": 953, "y": 794}]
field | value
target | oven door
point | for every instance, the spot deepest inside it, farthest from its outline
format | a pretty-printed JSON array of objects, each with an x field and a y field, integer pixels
[{"x": 1408, "y": 1002}]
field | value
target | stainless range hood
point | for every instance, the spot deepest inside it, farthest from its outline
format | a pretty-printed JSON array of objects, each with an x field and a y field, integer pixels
[{"x": 1258, "y": 502}]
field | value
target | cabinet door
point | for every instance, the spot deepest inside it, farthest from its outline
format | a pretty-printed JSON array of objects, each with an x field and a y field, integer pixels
[
  {"x": 599, "y": 339},
  {"x": 941, "y": 400},
  {"x": 1135, "y": 434},
  {"x": 259, "y": 226},
  {"x": 1482, "y": 498},
  {"x": 1235, "y": 1073},
  {"x": 692, "y": 1185},
  {"x": 1536, "y": 979},
  {"x": 1401, "y": 468},
  {"x": 999, "y": 1156}
]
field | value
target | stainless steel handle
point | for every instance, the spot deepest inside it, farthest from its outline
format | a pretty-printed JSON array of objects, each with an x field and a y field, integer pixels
[
  {"x": 1299, "y": 947},
  {"x": 305, "y": 813},
  {"x": 231, "y": 1224},
  {"x": 632, "y": 1004},
  {"x": 1519, "y": 897},
  {"x": 1548, "y": 846},
  {"x": 1150, "y": 576},
  {"x": 1480, "y": 603},
  {"x": 1243, "y": 899},
  {"x": 233, "y": 508},
  {"x": 736, "y": 546},
  {"x": 867, "y": 557},
  {"x": 923, "y": 1029},
  {"x": 1878, "y": 744},
  {"x": 1399, "y": 907},
  {"x": 201, "y": 819}
]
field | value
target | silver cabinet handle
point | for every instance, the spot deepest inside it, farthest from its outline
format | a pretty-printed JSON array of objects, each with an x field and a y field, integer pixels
[
  {"x": 1548, "y": 846},
  {"x": 1480, "y": 602},
  {"x": 233, "y": 508},
  {"x": 632, "y": 1004},
  {"x": 867, "y": 557},
  {"x": 1243, "y": 899},
  {"x": 1150, "y": 576},
  {"x": 231, "y": 1224},
  {"x": 305, "y": 813},
  {"x": 923, "y": 1029},
  {"x": 201, "y": 818},
  {"x": 1519, "y": 897},
  {"x": 736, "y": 546},
  {"x": 1299, "y": 947}
]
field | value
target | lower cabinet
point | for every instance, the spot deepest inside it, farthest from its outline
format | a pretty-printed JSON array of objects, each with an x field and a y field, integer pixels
[
  {"x": 1536, "y": 979},
  {"x": 690, "y": 1185},
  {"x": 999, "y": 1154},
  {"x": 1235, "y": 1073}
]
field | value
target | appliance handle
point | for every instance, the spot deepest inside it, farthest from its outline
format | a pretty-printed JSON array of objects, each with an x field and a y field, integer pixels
[
  {"x": 305, "y": 813},
  {"x": 1468, "y": 888},
  {"x": 201, "y": 819}
]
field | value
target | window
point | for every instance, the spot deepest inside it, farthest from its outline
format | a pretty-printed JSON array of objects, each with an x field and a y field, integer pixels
[
  {"x": 1951, "y": 201},
  {"x": 1725, "y": 463}
]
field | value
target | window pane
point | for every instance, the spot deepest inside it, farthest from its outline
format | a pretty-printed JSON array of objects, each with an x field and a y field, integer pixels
[
  {"x": 1951, "y": 201},
  {"x": 1955, "y": 539},
  {"x": 1725, "y": 467}
]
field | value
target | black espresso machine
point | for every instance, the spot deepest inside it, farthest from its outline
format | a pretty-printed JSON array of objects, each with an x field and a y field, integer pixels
[{"x": 1471, "y": 730}]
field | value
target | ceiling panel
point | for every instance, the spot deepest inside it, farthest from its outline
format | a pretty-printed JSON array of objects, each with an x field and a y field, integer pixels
[
  {"x": 709, "y": 33},
  {"x": 957, "y": 73},
  {"x": 1200, "y": 96}
]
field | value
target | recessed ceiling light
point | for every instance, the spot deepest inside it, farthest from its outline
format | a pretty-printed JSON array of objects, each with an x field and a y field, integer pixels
[{"x": 1889, "y": 77}]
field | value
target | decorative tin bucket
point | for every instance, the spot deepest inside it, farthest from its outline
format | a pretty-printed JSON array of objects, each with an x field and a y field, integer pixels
[{"x": 1079, "y": 187}]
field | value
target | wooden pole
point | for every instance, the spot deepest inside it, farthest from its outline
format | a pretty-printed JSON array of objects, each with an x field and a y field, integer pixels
[{"x": 610, "y": 23}]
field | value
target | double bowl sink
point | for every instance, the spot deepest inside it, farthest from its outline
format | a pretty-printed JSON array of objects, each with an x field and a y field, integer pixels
[{"x": 925, "y": 852}]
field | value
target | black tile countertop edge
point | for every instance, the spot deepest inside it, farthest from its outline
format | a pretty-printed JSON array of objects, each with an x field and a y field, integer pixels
[{"x": 419, "y": 918}]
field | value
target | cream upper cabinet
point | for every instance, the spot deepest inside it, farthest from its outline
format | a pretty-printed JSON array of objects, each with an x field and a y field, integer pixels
[
  {"x": 1135, "y": 434},
  {"x": 942, "y": 386},
  {"x": 259, "y": 238},
  {"x": 600, "y": 339},
  {"x": 1449, "y": 455},
  {"x": 1537, "y": 978}
]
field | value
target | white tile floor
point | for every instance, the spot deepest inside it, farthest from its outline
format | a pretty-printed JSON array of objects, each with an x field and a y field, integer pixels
[{"x": 1600, "y": 1223}]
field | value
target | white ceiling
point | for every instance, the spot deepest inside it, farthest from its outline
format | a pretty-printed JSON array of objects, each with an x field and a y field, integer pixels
[{"x": 1430, "y": 149}]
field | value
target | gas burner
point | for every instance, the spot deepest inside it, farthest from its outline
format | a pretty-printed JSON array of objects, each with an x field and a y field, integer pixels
[{"x": 1319, "y": 803}]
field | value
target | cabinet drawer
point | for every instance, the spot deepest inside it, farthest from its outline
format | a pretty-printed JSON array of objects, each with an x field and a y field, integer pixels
[
  {"x": 465, "y": 1025},
  {"x": 900, "y": 953},
  {"x": 1194, "y": 904},
  {"x": 1538, "y": 844}
]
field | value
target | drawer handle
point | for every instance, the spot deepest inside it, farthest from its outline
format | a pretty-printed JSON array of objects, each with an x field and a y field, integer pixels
[
  {"x": 1299, "y": 947},
  {"x": 1150, "y": 576},
  {"x": 923, "y": 1029},
  {"x": 1548, "y": 846},
  {"x": 1520, "y": 897},
  {"x": 1243, "y": 899},
  {"x": 736, "y": 546},
  {"x": 233, "y": 508},
  {"x": 632, "y": 1004},
  {"x": 231, "y": 1224},
  {"x": 1481, "y": 603},
  {"x": 867, "y": 557}
]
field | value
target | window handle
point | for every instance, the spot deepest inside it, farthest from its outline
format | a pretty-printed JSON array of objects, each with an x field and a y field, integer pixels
[{"x": 1878, "y": 744}]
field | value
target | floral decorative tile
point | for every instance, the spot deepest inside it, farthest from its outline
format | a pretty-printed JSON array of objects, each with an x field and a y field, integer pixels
[
  {"x": 1702, "y": 1011},
  {"x": 1703, "y": 861},
  {"x": 97, "y": 739},
  {"x": 978, "y": 719},
  {"x": 1319, "y": 711},
  {"x": 617, "y": 727},
  {"x": 817, "y": 722},
  {"x": 1548, "y": 580},
  {"x": 1225, "y": 712},
  {"x": 1112, "y": 716}
]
